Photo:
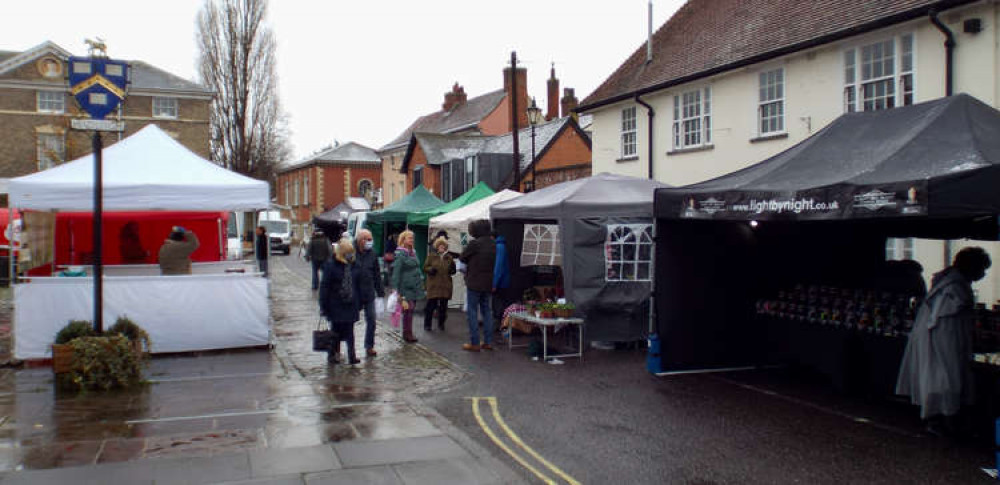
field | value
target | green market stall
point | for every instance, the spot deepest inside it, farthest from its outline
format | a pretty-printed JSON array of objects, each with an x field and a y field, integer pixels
[{"x": 393, "y": 218}]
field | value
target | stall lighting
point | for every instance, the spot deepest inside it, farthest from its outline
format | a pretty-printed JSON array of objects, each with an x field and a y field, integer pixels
[{"x": 753, "y": 224}]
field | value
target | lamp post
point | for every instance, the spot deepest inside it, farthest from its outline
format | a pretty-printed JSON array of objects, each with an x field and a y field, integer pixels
[{"x": 534, "y": 117}]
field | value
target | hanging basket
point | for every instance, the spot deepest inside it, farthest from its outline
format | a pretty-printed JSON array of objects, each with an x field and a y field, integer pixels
[{"x": 62, "y": 358}]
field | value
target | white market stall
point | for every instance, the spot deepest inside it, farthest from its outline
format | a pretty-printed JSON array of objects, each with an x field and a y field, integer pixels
[
  {"x": 456, "y": 225},
  {"x": 148, "y": 171}
]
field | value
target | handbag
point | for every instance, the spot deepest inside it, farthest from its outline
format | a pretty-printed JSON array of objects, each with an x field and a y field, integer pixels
[
  {"x": 379, "y": 307},
  {"x": 392, "y": 302},
  {"x": 323, "y": 338}
]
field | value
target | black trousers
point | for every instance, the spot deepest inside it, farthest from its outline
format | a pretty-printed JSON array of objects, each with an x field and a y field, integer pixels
[{"x": 441, "y": 304}]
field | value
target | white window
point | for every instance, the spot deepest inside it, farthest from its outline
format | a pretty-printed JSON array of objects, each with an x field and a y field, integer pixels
[
  {"x": 51, "y": 102},
  {"x": 295, "y": 191},
  {"x": 288, "y": 192},
  {"x": 628, "y": 132},
  {"x": 693, "y": 119},
  {"x": 305, "y": 190},
  {"x": 879, "y": 75},
  {"x": 51, "y": 150},
  {"x": 165, "y": 107},
  {"x": 771, "y": 110},
  {"x": 541, "y": 245},
  {"x": 898, "y": 248},
  {"x": 628, "y": 252},
  {"x": 365, "y": 188}
]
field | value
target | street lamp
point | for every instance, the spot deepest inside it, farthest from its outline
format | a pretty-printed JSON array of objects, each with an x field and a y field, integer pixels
[{"x": 534, "y": 118}]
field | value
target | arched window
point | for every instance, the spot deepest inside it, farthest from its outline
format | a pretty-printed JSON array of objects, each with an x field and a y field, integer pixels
[
  {"x": 541, "y": 245},
  {"x": 628, "y": 252},
  {"x": 365, "y": 188}
]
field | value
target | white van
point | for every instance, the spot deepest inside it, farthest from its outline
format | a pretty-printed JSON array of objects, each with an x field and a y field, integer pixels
[
  {"x": 234, "y": 236},
  {"x": 355, "y": 221},
  {"x": 278, "y": 229}
]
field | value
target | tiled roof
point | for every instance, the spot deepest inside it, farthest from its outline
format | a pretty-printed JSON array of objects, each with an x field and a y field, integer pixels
[
  {"x": 146, "y": 76},
  {"x": 464, "y": 116},
  {"x": 349, "y": 152},
  {"x": 4, "y": 55},
  {"x": 706, "y": 37}
]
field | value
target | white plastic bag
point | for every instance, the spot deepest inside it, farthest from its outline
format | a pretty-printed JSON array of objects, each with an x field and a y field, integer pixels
[
  {"x": 391, "y": 303},
  {"x": 379, "y": 307}
]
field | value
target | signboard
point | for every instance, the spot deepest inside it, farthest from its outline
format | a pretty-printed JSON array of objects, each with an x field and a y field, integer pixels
[
  {"x": 98, "y": 125},
  {"x": 98, "y": 84}
]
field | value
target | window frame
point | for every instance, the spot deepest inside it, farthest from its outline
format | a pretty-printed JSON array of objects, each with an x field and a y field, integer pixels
[
  {"x": 629, "y": 144},
  {"x": 899, "y": 248},
  {"x": 686, "y": 116},
  {"x": 40, "y": 103},
  {"x": 42, "y": 161},
  {"x": 160, "y": 110},
  {"x": 629, "y": 239},
  {"x": 898, "y": 88},
  {"x": 361, "y": 183},
  {"x": 305, "y": 189},
  {"x": 771, "y": 94},
  {"x": 418, "y": 176},
  {"x": 535, "y": 235}
]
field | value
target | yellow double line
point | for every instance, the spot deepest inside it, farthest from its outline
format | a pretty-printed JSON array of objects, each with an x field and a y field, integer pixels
[{"x": 517, "y": 440}]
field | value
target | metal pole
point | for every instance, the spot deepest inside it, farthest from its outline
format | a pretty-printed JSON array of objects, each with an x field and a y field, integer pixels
[
  {"x": 98, "y": 236},
  {"x": 513, "y": 119}
]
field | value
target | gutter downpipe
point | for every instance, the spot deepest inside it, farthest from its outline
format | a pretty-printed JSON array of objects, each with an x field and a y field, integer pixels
[
  {"x": 949, "y": 55},
  {"x": 650, "y": 113}
]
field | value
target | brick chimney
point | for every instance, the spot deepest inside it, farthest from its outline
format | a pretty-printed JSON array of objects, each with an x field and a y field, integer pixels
[
  {"x": 553, "y": 85},
  {"x": 522, "y": 96},
  {"x": 569, "y": 103},
  {"x": 454, "y": 98}
]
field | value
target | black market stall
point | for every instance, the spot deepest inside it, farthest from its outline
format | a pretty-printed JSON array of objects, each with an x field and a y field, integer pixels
[
  {"x": 815, "y": 218},
  {"x": 598, "y": 231}
]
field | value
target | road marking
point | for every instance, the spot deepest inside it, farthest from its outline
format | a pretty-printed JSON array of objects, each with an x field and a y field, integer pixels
[
  {"x": 203, "y": 416},
  {"x": 516, "y": 439},
  {"x": 503, "y": 446},
  {"x": 208, "y": 377}
]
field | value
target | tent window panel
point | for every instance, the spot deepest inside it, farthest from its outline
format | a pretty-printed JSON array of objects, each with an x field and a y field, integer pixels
[
  {"x": 541, "y": 245},
  {"x": 628, "y": 252}
]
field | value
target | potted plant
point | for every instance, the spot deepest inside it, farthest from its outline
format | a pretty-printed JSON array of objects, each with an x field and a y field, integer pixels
[
  {"x": 103, "y": 363},
  {"x": 137, "y": 337},
  {"x": 62, "y": 352},
  {"x": 547, "y": 310}
]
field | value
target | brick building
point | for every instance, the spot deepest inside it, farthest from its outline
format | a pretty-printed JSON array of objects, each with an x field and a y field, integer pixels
[
  {"x": 36, "y": 109},
  {"x": 319, "y": 182}
]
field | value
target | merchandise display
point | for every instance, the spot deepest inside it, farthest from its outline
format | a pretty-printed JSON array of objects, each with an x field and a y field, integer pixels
[{"x": 880, "y": 312}]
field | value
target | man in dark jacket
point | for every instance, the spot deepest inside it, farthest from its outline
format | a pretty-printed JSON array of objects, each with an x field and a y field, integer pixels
[
  {"x": 318, "y": 253},
  {"x": 261, "y": 249},
  {"x": 369, "y": 284},
  {"x": 479, "y": 256}
]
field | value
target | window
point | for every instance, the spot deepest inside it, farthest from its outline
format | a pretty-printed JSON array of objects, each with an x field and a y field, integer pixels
[
  {"x": 51, "y": 150},
  {"x": 880, "y": 75},
  {"x": 295, "y": 191},
  {"x": 628, "y": 252},
  {"x": 418, "y": 176},
  {"x": 693, "y": 119},
  {"x": 288, "y": 192},
  {"x": 165, "y": 107},
  {"x": 51, "y": 102},
  {"x": 771, "y": 111},
  {"x": 628, "y": 132},
  {"x": 365, "y": 188},
  {"x": 898, "y": 248},
  {"x": 541, "y": 245},
  {"x": 446, "y": 187},
  {"x": 305, "y": 190}
]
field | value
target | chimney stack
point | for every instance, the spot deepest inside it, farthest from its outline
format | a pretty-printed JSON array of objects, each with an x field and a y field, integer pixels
[
  {"x": 553, "y": 85},
  {"x": 569, "y": 103},
  {"x": 522, "y": 96},
  {"x": 454, "y": 98}
]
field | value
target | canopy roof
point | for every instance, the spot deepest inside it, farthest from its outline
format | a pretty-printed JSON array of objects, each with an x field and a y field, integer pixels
[
  {"x": 349, "y": 206},
  {"x": 146, "y": 171},
  {"x": 422, "y": 218},
  {"x": 938, "y": 158},
  {"x": 417, "y": 200},
  {"x": 480, "y": 209},
  {"x": 601, "y": 194}
]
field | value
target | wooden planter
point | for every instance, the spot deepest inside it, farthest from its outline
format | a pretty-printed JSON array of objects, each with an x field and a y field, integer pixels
[{"x": 62, "y": 358}]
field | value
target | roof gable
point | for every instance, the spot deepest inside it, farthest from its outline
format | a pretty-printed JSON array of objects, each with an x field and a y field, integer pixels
[
  {"x": 350, "y": 152},
  {"x": 706, "y": 37},
  {"x": 11, "y": 60},
  {"x": 465, "y": 116}
]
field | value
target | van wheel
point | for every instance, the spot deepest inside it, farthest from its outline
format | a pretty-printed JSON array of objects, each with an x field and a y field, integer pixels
[{"x": 287, "y": 250}]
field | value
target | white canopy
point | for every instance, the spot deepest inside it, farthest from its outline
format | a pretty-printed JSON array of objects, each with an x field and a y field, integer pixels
[
  {"x": 146, "y": 171},
  {"x": 480, "y": 209}
]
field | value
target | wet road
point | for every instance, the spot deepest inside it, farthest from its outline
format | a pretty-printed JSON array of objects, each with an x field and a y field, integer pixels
[{"x": 606, "y": 420}]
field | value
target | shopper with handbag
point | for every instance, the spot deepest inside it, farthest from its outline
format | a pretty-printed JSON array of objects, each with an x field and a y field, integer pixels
[
  {"x": 339, "y": 297},
  {"x": 407, "y": 279}
]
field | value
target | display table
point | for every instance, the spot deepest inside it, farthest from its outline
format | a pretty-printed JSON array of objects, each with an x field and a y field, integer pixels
[{"x": 545, "y": 324}]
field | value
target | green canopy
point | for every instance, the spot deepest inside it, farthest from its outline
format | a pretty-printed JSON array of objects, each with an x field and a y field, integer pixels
[
  {"x": 418, "y": 200},
  {"x": 423, "y": 218}
]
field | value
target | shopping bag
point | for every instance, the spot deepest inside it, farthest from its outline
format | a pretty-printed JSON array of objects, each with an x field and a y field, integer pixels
[
  {"x": 392, "y": 303},
  {"x": 323, "y": 336},
  {"x": 379, "y": 307},
  {"x": 397, "y": 316}
]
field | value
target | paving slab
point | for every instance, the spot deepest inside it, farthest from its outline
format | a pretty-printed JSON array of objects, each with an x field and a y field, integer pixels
[
  {"x": 369, "y": 453},
  {"x": 275, "y": 462},
  {"x": 195, "y": 471},
  {"x": 456, "y": 471},
  {"x": 296, "y": 479},
  {"x": 138, "y": 473},
  {"x": 378, "y": 475}
]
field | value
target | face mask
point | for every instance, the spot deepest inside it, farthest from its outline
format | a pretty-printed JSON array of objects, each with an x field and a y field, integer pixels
[{"x": 369, "y": 245}]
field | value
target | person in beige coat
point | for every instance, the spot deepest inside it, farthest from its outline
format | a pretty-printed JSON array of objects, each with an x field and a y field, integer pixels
[
  {"x": 439, "y": 267},
  {"x": 175, "y": 254}
]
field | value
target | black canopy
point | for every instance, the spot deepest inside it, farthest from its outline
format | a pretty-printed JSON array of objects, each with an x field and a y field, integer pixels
[{"x": 938, "y": 158}]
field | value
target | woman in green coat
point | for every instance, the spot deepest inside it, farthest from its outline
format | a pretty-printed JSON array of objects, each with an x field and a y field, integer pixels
[{"x": 408, "y": 280}]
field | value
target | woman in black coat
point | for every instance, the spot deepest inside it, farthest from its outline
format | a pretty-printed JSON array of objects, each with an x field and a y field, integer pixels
[{"x": 339, "y": 297}]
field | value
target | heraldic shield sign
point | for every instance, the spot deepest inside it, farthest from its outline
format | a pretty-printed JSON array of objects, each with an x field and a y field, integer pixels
[{"x": 98, "y": 84}]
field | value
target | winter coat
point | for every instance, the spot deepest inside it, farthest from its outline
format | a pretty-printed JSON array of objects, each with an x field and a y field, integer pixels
[
  {"x": 479, "y": 257},
  {"x": 370, "y": 282},
  {"x": 175, "y": 256},
  {"x": 501, "y": 270},
  {"x": 262, "y": 246},
  {"x": 332, "y": 305},
  {"x": 936, "y": 372},
  {"x": 319, "y": 249},
  {"x": 439, "y": 269},
  {"x": 407, "y": 278}
]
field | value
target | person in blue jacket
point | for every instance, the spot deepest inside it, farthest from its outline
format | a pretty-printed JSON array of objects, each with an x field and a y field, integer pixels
[{"x": 501, "y": 277}]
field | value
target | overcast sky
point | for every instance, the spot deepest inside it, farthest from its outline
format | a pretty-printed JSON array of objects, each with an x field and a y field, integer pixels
[{"x": 361, "y": 70}]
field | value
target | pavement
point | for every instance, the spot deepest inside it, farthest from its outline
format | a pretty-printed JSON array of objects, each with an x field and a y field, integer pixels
[{"x": 263, "y": 416}]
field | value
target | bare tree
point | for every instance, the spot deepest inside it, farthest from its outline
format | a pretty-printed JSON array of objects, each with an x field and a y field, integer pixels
[{"x": 237, "y": 61}]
